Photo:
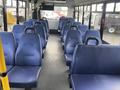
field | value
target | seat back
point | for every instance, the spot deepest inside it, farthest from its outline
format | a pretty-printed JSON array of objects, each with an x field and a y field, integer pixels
[
  {"x": 83, "y": 29},
  {"x": 18, "y": 31},
  {"x": 65, "y": 30},
  {"x": 41, "y": 31},
  {"x": 72, "y": 39},
  {"x": 45, "y": 27},
  {"x": 8, "y": 46},
  {"x": 29, "y": 52},
  {"x": 78, "y": 24},
  {"x": 61, "y": 22},
  {"x": 102, "y": 59},
  {"x": 92, "y": 37},
  {"x": 30, "y": 22}
]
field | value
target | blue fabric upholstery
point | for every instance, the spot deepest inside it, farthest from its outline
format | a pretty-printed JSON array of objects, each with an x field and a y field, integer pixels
[
  {"x": 78, "y": 24},
  {"x": 9, "y": 48},
  {"x": 72, "y": 39},
  {"x": 96, "y": 68},
  {"x": 24, "y": 76},
  {"x": 65, "y": 30},
  {"x": 28, "y": 60},
  {"x": 9, "y": 67},
  {"x": 83, "y": 29},
  {"x": 95, "y": 82},
  {"x": 29, "y": 52},
  {"x": 18, "y": 31},
  {"x": 41, "y": 31},
  {"x": 65, "y": 21},
  {"x": 92, "y": 34},
  {"x": 46, "y": 28},
  {"x": 60, "y": 22},
  {"x": 30, "y": 22}
]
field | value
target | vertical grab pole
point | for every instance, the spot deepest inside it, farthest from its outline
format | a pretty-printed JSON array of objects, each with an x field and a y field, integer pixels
[{"x": 3, "y": 77}]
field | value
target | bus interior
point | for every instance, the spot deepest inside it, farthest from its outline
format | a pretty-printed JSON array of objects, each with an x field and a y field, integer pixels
[{"x": 59, "y": 44}]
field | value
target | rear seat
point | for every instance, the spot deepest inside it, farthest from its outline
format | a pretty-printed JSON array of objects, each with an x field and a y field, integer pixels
[
  {"x": 72, "y": 39},
  {"x": 9, "y": 48},
  {"x": 96, "y": 68},
  {"x": 28, "y": 60}
]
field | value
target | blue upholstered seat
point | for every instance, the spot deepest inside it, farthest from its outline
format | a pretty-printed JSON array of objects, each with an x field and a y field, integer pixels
[
  {"x": 96, "y": 68},
  {"x": 28, "y": 61},
  {"x": 9, "y": 48},
  {"x": 72, "y": 39},
  {"x": 18, "y": 31},
  {"x": 92, "y": 37}
]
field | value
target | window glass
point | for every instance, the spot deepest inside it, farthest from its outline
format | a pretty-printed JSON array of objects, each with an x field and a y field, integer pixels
[
  {"x": 99, "y": 7},
  {"x": 11, "y": 18},
  {"x": 86, "y": 16},
  {"x": 1, "y": 3},
  {"x": 112, "y": 29},
  {"x": 88, "y": 9},
  {"x": 1, "y": 20},
  {"x": 85, "y": 8},
  {"x": 94, "y": 7},
  {"x": 80, "y": 14},
  {"x": 96, "y": 21},
  {"x": 21, "y": 15},
  {"x": 117, "y": 7},
  {"x": 23, "y": 4},
  {"x": 56, "y": 14},
  {"x": 20, "y": 3},
  {"x": 8, "y": 3},
  {"x": 110, "y": 7},
  {"x": 14, "y": 3},
  {"x": 30, "y": 11},
  {"x": 76, "y": 8}
]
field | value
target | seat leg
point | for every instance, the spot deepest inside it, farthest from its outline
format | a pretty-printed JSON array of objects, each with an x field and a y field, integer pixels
[{"x": 28, "y": 88}]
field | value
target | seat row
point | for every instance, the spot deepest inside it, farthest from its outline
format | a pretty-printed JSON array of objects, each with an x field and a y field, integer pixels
[
  {"x": 94, "y": 66},
  {"x": 73, "y": 33},
  {"x": 23, "y": 55}
]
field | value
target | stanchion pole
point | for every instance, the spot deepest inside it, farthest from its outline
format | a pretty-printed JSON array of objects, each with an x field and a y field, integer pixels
[{"x": 3, "y": 70}]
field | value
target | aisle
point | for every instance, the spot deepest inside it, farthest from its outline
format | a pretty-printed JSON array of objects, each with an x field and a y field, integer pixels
[{"x": 53, "y": 75}]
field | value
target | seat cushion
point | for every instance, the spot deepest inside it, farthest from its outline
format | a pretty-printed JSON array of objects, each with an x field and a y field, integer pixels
[
  {"x": 95, "y": 82},
  {"x": 9, "y": 67},
  {"x": 24, "y": 76},
  {"x": 68, "y": 58}
]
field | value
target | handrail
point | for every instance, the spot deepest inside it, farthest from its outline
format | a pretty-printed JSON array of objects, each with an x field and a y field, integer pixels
[{"x": 3, "y": 75}]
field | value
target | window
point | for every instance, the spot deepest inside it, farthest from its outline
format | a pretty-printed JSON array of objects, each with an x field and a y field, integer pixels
[
  {"x": 86, "y": 15},
  {"x": 23, "y": 4},
  {"x": 85, "y": 8},
  {"x": 96, "y": 21},
  {"x": 11, "y": 15},
  {"x": 20, "y": 4},
  {"x": 14, "y": 3},
  {"x": 99, "y": 7},
  {"x": 1, "y": 3},
  {"x": 8, "y": 3},
  {"x": 117, "y": 9},
  {"x": 88, "y": 9},
  {"x": 21, "y": 15},
  {"x": 80, "y": 14},
  {"x": 94, "y": 7},
  {"x": 56, "y": 14},
  {"x": 1, "y": 20},
  {"x": 112, "y": 29},
  {"x": 110, "y": 7}
]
